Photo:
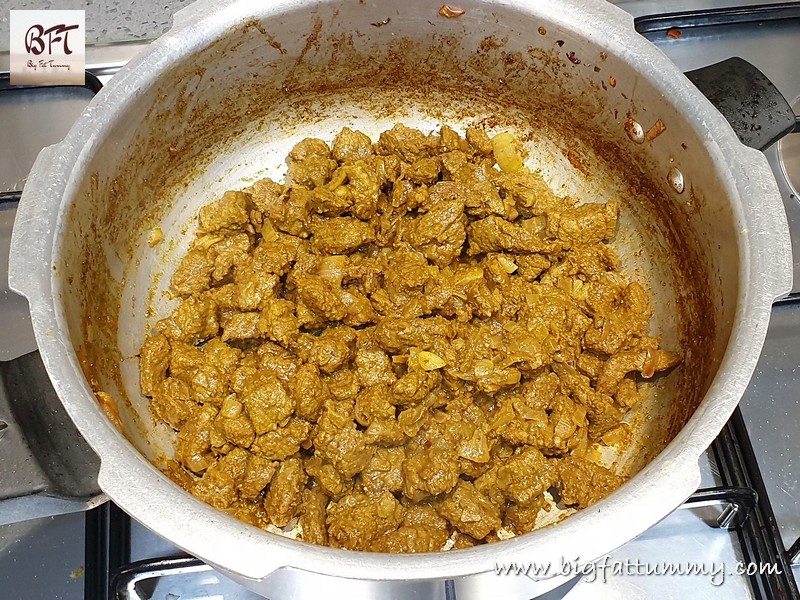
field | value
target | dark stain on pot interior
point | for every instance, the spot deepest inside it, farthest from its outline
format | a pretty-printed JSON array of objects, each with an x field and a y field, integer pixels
[
  {"x": 576, "y": 161},
  {"x": 185, "y": 132},
  {"x": 490, "y": 43},
  {"x": 254, "y": 24}
]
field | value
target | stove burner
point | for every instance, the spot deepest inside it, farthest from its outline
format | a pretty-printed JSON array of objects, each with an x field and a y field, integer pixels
[{"x": 789, "y": 157}]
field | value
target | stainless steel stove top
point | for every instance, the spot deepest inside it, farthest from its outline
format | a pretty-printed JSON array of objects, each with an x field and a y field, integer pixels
[{"x": 49, "y": 557}]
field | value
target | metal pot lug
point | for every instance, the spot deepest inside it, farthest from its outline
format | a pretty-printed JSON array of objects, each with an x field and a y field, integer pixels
[
  {"x": 757, "y": 111},
  {"x": 47, "y": 468}
]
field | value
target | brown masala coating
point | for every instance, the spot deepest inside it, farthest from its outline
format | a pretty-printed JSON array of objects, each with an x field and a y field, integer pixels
[{"x": 409, "y": 341}]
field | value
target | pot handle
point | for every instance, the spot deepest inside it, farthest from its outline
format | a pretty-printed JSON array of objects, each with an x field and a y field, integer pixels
[
  {"x": 757, "y": 111},
  {"x": 47, "y": 469},
  {"x": 31, "y": 252},
  {"x": 760, "y": 116},
  {"x": 771, "y": 261}
]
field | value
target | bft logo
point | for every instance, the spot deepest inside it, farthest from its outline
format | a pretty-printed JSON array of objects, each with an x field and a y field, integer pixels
[
  {"x": 35, "y": 38},
  {"x": 48, "y": 47}
]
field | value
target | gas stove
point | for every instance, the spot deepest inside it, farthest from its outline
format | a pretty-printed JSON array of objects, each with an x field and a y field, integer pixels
[{"x": 738, "y": 535}]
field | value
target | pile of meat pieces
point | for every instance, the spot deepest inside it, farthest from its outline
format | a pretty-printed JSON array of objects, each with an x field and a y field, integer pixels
[{"x": 404, "y": 344}]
